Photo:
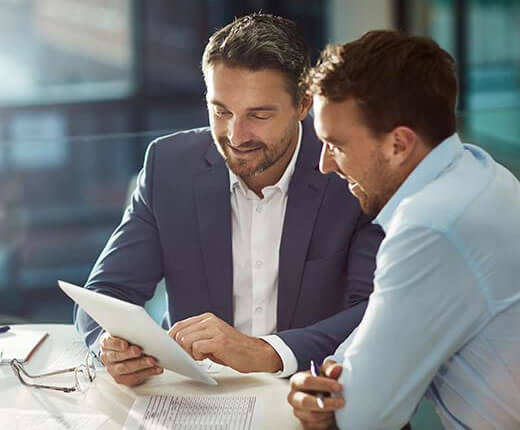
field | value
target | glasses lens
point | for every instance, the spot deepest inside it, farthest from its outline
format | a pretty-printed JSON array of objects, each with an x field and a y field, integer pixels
[{"x": 82, "y": 378}]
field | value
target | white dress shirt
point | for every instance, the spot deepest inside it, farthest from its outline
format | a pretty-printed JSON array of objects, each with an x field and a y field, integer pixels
[{"x": 256, "y": 234}]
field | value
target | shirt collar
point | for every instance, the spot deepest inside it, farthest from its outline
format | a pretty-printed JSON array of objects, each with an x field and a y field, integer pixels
[
  {"x": 283, "y": 182},
  {"x": 425, "y": 172}
]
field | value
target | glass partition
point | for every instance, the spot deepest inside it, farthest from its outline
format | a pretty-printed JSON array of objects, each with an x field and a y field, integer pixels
[{"x": 60, "y": 199}]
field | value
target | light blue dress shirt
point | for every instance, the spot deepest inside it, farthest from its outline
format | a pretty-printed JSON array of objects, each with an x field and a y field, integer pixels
[{"x": 444, "y": 317}]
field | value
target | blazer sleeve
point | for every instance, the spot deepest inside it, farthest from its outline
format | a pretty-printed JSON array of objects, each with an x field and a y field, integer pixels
[
  {"x": 319, "y": 340},
  {"x": 130, "y": 265}
]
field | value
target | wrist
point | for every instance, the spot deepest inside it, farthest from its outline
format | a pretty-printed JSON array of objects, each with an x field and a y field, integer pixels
[{"x": 269, "y": 360}]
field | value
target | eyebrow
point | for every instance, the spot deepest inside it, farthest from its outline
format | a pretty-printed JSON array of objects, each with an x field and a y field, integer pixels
[
  {"x": 262, "y": 108},
  {"x": 330, "y": 139}
]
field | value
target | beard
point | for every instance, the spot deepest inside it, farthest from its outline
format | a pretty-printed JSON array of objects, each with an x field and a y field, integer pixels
[
  {"x": 261, "y": 158},
  {"x": 379, "y": 192}
]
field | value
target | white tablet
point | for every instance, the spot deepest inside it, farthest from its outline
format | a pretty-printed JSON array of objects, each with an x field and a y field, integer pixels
[{"x": 132, "y": 323}]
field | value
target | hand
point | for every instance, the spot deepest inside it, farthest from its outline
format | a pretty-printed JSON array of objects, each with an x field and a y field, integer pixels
[
  {"x": 125, "y": 362},
  {"x": 302, "y": 397},
  {"x": 207, "y": 336}
]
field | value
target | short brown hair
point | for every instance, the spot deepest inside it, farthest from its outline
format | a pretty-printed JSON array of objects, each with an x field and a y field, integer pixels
[
  {"x": 261, "y": 41},
  {"x": 396, "y": 79}
]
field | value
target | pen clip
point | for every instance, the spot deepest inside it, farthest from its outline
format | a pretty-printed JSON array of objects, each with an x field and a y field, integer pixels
[{"x": 315, "y": 371}]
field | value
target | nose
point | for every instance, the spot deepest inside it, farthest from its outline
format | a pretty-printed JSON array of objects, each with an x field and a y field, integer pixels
[
  {"x": 238, "y": 131},
  {"x": 327, "y": 162}
]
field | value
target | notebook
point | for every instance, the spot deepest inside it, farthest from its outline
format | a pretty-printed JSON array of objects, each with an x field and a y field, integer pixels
[{"x": 19, "y": 344}]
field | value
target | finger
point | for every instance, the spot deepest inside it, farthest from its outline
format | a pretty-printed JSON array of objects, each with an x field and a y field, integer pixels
[
  {"x": 179, "y": 325},
  {"x": 321, "y": 419},
  {"x": 302, "y": 400},
  {"x": 109, "y": 356},
  {"x": 202, "y": 325},
  {"x": 137, "y": 378},
  {"x": 331, "y": 369},
  {"x": 113, "y": 343},
  {"x": 187, "y": 341},
  {"x": 304, "y": 381},
  {"x": 210, "y": 348},
  {"x": 131, "y": 366}
]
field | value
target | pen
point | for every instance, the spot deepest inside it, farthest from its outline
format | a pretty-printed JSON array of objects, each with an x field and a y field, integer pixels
[
  {"x": 316, "y": 372},
  {"x": 4, "y": 328}
]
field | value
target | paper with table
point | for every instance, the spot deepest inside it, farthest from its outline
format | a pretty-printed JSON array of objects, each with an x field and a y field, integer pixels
[
  {"x": 171, "y": 412},
  {"x": 19, "y": 344}
]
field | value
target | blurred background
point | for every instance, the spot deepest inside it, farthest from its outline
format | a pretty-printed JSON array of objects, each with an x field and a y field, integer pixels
[{"x": 86, "y": 84}]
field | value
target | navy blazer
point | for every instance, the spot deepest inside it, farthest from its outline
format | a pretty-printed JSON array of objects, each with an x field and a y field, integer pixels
[{"x": 178, "y": 226}]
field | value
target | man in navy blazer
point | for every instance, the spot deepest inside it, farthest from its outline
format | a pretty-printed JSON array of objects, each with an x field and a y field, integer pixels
[{"x": 267, "y": 263}]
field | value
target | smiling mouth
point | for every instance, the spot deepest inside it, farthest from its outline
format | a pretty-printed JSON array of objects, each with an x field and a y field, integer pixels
[{"x": 244, "y": 150}]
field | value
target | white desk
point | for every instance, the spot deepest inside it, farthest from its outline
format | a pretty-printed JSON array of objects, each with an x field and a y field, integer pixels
[{"x": 114, "y": 401}]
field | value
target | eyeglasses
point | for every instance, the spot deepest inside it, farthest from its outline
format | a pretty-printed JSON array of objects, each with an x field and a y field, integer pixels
[{"x": 84, "y": 375}]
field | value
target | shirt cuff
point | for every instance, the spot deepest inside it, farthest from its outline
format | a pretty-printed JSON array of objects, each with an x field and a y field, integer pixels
[
  {"x": 289, "y": 363},
  {"x": 95, "y": 347}
]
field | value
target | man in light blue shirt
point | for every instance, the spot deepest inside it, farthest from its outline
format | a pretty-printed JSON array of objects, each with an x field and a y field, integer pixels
[{"x": 444, "y": 318}]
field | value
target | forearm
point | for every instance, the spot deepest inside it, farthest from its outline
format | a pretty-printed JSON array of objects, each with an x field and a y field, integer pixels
[{"x": 88, "y": 329}]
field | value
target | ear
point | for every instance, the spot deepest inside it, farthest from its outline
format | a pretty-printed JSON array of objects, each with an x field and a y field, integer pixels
[
  {"x": 401, "y": 145},
  {"x": 304, "y": 106}
]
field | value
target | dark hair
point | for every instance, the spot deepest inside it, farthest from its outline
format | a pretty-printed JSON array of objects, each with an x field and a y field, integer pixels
[
  {"x": 396, "y": 79},
  {"x": 261, "y": 41}
]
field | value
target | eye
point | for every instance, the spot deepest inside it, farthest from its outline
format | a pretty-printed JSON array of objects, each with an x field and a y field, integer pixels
[
  {"x": 221, "y": 113},
  {"x": 261, "y": 116},
  {"x": 331, "y": 148}
]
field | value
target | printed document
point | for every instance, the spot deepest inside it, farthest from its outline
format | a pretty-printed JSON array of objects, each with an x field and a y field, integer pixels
[{"x": 162, "y": 412}]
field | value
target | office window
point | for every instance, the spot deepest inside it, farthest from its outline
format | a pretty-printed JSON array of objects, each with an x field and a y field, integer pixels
[
  {"x": 489, "y": 41},
  {"x": 64, "y": 50}
]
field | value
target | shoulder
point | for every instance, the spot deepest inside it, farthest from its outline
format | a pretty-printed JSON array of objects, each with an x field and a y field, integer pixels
[
  {"x": 197, "y": 139},
  {"x": 188, "y": 149},
  {"x": 449, "y": 197}
]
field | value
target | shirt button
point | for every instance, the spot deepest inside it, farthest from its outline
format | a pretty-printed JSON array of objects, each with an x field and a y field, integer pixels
[
  {"x": 259, "y": 263},
  {"x": 259, "y": 209}
]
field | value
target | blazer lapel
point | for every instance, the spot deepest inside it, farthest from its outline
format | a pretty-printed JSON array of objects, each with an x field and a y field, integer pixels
[
  {"x": 306, "y": 191},
  {"x": 214, "y": 219}
]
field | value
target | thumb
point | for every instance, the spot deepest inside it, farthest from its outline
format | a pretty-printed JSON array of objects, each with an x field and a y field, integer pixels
[{"x": 332, "y": 370}]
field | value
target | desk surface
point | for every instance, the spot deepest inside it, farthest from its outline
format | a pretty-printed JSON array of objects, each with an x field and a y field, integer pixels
[{"x": 114, "y": 401}]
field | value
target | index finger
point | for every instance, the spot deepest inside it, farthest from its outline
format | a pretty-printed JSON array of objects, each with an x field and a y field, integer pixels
[
  {"x": 332, "y": 369},
  {"x": 304, "y": 381},
  {"x": 301, "y": 400},
  {"x": 179, "y": 325}
]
